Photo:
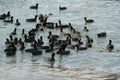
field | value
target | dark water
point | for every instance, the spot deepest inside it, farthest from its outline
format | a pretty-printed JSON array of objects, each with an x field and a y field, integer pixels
[{"x": 93, "y": 64}]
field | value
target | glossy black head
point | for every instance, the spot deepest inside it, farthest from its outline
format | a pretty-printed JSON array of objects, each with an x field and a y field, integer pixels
[
  {"x": 85, "y": 18},
  {"x": 110, "y": 41},
  {"x": 36, "y": 4}
]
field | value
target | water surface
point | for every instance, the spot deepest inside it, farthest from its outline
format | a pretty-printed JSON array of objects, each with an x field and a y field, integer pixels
[{"x": 82, "y": 65}]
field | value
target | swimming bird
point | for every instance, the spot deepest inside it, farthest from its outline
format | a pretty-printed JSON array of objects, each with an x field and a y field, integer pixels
[
  {"x": 29, "y": 39},
  {"x": 49, "y": 25},
  {"x": 88, "y": 42},
  {"x": 11, "y": 50},
  {"x": 110, "y": 46},
  {"x": 21, "y": 45},
  {"x": 79, "y": 42},
  {"x": 62, "y": 52},
  {"x": 59, "y": 25},
  {"x": 23, "y": 32},
  {"x": 34, "y": 51},
  {"x": 80, "y": 48},
  {"x": 11, "y": 47},
  {"x": 52, "y": 36},
  {"x": 2, "y": 17},
  {"x": 7, "y": 43},
  {"x": 32, "y": 19},
  {"x": 39, "y": 27},
  {"x": 34, "y": 7},
  {"x": 40, "y": 41},
  {"x": 85, "y": 29},
  {"x": 10, "y": 53},
  {"x": 8, "y": 14},
  {"x": 69, "y": 45},
  {"x": 75, "y": 34},
  {"x": 41, "y": 18},
  {"x": 15, "y": 41},
  {"x": 37, "y": 52},
  {"x": 9, "y": 21},
  {"x": 44, "y": 47},
  {"x": 63, "y": 33},
  {"x": 17, "y": 23},
  {"x": 62, "y": 8},
  {"x": 102, "y": 34},
  {"x": 11, "y": 38},
  {"x": 14, "y": 32},
  {"x": 50, "y": 48},
  {"x": 88, "y": 20},
  {"x": 45, "y": 23}
]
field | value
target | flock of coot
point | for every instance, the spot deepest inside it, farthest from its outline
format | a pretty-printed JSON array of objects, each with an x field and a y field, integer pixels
[{"x": 55, "y": 44}]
